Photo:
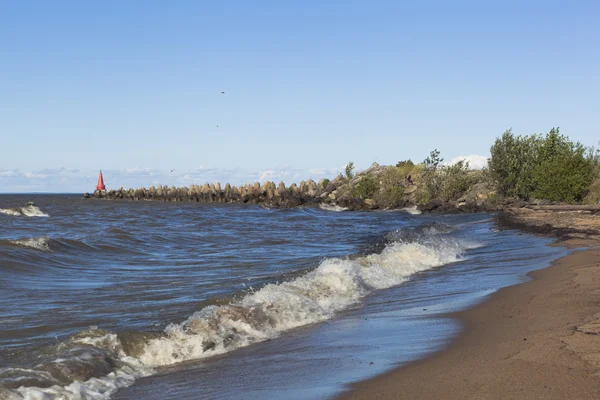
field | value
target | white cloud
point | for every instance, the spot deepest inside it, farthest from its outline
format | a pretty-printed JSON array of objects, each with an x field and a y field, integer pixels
[
  {"x": 267, "y": 175},
  {"x": 141, "y": 171},
  {"x": 34, "y": 175},
  {"x": 318, "y": 173},
  {"x": 284, "y": 174},
  {"x": 9, "y": 173},
  {"x": 475, "y": 161},
  {"x": 62, "y": 180}
]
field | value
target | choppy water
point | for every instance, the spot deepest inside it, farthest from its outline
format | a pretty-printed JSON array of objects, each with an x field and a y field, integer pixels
[{"x": 97, "y": 296}]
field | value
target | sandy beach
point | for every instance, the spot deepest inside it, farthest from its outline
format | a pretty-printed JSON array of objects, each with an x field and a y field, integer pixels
[{"x": 537, "y": 340}]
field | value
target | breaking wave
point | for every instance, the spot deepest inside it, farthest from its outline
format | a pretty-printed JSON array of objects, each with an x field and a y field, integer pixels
[
  {"x": 30, "y": 210},
  {"x": 95, "y": 363},
  {"x": 330, "y": 207},
  {"x": 90, "y": 365},
  {"x": 412, "y": 210},
  {"x": 41, "y": 243}
]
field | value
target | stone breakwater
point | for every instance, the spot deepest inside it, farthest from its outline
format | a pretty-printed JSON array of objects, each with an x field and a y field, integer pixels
[
  {"x": 371, "y": 189},
  {"x": 269, "y": 194}
]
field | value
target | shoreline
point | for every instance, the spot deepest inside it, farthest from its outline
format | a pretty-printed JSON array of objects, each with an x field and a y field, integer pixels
[{"x": 537, "y": 339}]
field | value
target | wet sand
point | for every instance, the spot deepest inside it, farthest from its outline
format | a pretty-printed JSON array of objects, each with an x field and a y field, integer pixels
[{"x": 537, "y": 340}]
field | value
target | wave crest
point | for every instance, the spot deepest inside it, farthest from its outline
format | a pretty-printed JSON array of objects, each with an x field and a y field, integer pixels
[
  {"x": 29, "y": 210},
  {"x": 414, "y": 210},
  {"x": 330, "y": 207},
  {"x": 41, "y": 243},
  {"x": 336, "y": 284}
]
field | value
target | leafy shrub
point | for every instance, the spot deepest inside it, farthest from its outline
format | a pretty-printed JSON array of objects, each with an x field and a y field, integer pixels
[
  {"x": 512, "y": 164},
  {"x": 365, "y": 188},
  {"x": 407, "y": 163},
  {"x": 563, "y": 172},
  {"x": 391, "y": 189},
  {"x": 455, "y": 180},
  {"x": 593, "y": 196},
  {"x": 444, "y": 182},
  {"x": 551, "y": 167}
]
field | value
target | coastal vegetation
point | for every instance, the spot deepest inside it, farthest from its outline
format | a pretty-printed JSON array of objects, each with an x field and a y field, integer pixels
[
  {"x": 443, "y": 182},
  {"x": 349, "y": 170},
  {"x": 550, "y": 167},
  {"x": 535, "y": 169}
]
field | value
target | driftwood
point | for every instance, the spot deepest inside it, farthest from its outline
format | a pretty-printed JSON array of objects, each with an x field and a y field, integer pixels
[{"x": 566, "y": 207}]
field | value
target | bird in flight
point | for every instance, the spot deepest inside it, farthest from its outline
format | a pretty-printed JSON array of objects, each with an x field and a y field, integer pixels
[
  {"x": 172, "y": 170},
  {"x": 222, "y": 92}
]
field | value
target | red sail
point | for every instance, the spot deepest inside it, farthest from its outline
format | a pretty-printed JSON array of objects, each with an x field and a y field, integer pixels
[{"x": 100, "y": 185}]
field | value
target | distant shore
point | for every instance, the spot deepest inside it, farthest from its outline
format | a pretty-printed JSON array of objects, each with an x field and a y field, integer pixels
[
  {"x": 540, "y": 339},
  {"x": 379, "y": 187},
  {"x": 427, "y": 187}
]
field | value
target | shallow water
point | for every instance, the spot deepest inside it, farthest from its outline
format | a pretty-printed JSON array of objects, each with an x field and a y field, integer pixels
[{"x": 212, "y": 301}]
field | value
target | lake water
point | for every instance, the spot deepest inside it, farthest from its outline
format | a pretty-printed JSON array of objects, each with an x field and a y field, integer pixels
[{"x": 106, "y": 299}]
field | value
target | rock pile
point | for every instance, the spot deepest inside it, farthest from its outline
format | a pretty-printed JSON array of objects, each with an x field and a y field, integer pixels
[
  {"x": 371, "y": 189},
  {"x": 268, "y": 194}
]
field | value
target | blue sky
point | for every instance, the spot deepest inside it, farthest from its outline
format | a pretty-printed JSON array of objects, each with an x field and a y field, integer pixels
[{"x": 134, "y": 88}]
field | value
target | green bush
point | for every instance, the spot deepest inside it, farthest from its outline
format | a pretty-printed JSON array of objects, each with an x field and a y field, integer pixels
[
  {"x": 391, "y": 197},
  {"x": 391, "y": 189},
  {"x": 444, "y": 182},
  {"x": 512, "y": 164},
  {"x": 593, "y": 195},
  {"x": 550, "y": 167},
  {"x": 563, "y": 172},
  {"x": 455, "y": 180},
  {"x": 365, "y": 188},
  {"x": 407, "y": 163}
]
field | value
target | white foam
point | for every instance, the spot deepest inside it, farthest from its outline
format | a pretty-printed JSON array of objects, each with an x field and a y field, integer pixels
[
  {"x": 29, "y": 210},
  {"x": 10, "y": 211},
  {"x": 412, "y": 210},
  {"x": 33, "y": 211},
  {"x": 335, "y": 285},
  {"x": 95, "y": 388},
  {"x": 331, "y": 207},
  {"x": 41, "y": 243}
]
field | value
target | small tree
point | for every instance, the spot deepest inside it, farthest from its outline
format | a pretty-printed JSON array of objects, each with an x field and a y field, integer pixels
[
  {"x": 549, "y": 167},
  {"x": 433, "y": 161},
  {"x": 431, "y": 177},
  {"x": 444, "y": 182},
  {"x": 454, "y": 180},
  {"x": 593, "y": 196},
  {"x": 563, "y": 172},
  {"x": 512, "y": 163},
  {"x": 350, "y": 170}
]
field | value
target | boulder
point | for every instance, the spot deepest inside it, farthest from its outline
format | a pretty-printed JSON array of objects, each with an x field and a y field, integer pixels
[
  {"x": 431, "y": 205},
  {"x": 281, "y": 189},
  {"x": 371, "y": 204}
]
